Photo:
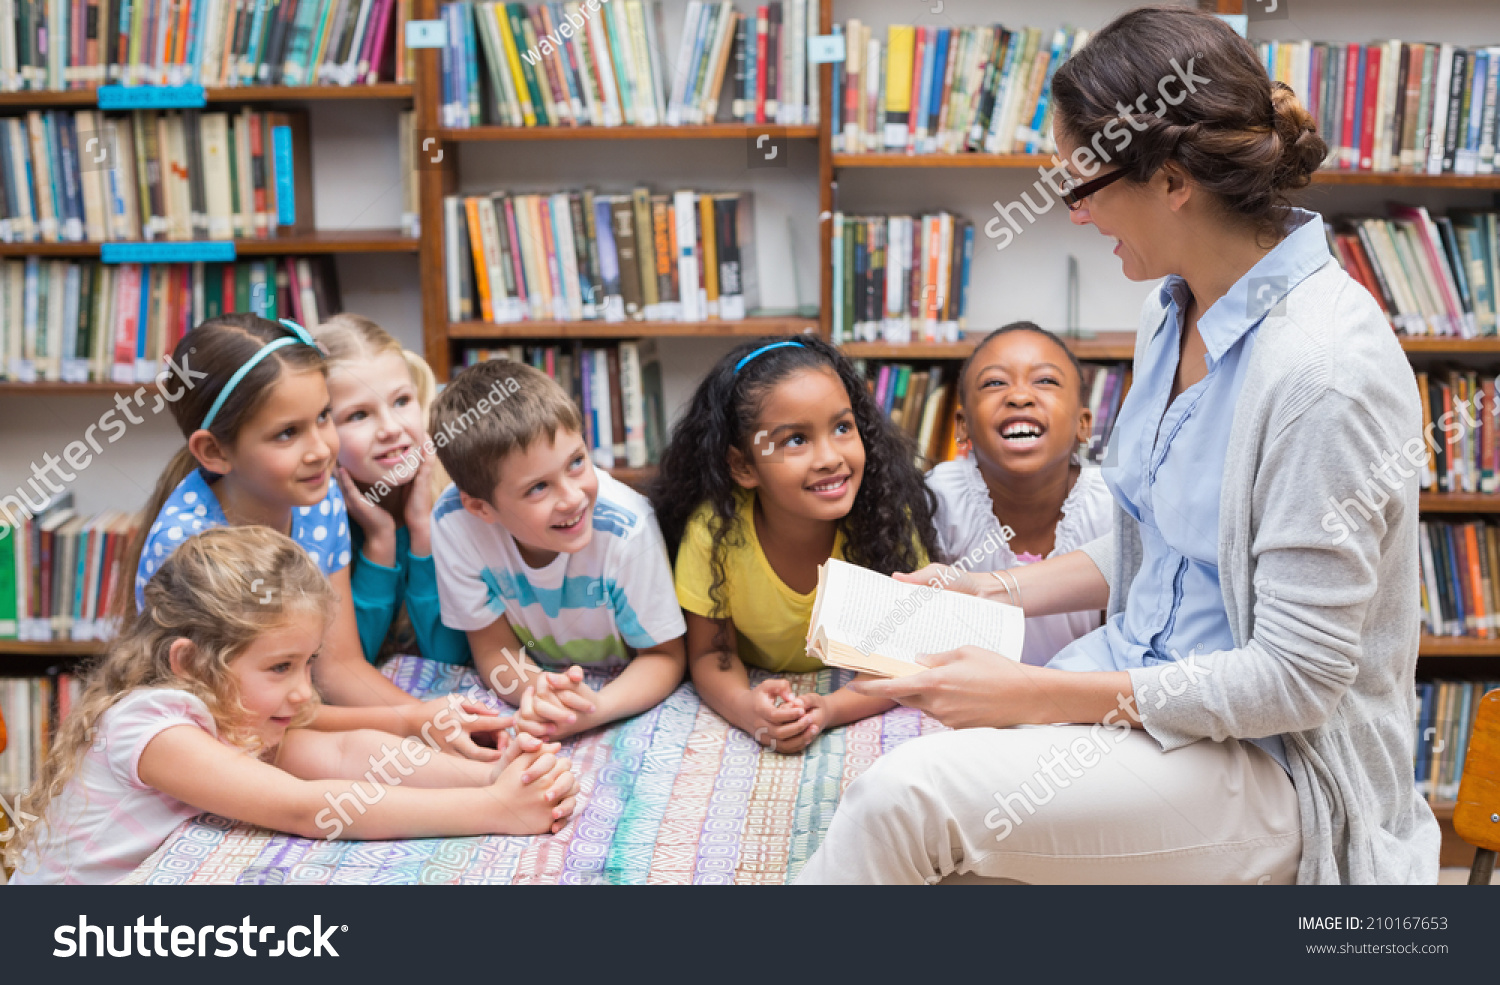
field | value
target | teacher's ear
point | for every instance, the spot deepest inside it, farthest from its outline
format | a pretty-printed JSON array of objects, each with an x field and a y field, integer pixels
[{"x": 1178, "y": 186}]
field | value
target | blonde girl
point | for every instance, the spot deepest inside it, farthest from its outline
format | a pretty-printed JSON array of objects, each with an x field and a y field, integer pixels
[
  {"x": 261, "y": 448},
  {"x": 198, "y": 706},
  {"x": 390, "y": 478}
]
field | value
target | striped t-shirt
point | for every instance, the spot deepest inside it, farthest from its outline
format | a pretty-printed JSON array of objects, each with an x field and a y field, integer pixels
[{"x": 593, "y": 607}]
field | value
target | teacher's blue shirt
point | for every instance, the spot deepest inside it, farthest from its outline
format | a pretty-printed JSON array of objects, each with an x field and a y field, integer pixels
[{"x": 1165, "y": 467}]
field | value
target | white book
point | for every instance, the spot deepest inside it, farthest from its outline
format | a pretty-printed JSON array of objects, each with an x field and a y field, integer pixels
[
  {"x": 695, "y": 11},
  {"x": 632, "y": 400},
  {"x": 452, "y": 247},
  {"x": 614, "y": 113},
  {"x": 567, "y": 258},
  {"x": 1439, "y": 114},
  {"x": 654, "y": 33},
  {"x": 604, "y": 453},
  {"x": 813, "y": 98},
  {"x": 793, "y": 106},
  {"x": 217, "y": 197},
  {"x": 872, "y": 623},
  {"x": 685, "y": 209},
  {"x": 10, "y": 77}
]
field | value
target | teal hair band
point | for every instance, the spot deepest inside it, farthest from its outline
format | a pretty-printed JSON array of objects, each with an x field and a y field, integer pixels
[
  {"x": 299, "y": 334},
  {"x": 784, "y": 344}
]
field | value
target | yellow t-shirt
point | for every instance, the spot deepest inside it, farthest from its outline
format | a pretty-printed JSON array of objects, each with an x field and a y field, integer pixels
[{"x": 770, "y": 619}]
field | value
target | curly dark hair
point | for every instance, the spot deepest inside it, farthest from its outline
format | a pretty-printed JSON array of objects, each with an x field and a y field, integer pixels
[{"x": 893, "y": 501}]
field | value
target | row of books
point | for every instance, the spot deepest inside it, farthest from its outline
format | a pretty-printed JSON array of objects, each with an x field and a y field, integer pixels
[
  {"x": 87, "y": 322},
  {"x": 1104, "y": 388},
  {"x": 1445, "y": 719},
  {"x": 921, "y": 401},
  {"x": 605, "y": 64},
  {"x": 31, "y": 707},
  {"x": 618, "y": 389},
  {"x": 947, "y": 90},
  {"x": 582, "y": 256},
  {"x": 1431, "y": 276},
  {"x": 74, "y": 44},
  {"x": 59, "y": 569},
  {"x": 85, "y": 176},
  {"x": 900, "y": 277},
  {"x": 1460, "y": 578},
  {"x": 1394, "y": 105},
  {"x": 1459, "y": 424}
]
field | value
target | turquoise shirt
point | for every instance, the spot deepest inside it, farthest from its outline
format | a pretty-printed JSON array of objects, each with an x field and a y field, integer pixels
[{"x": 379, "y": 591}]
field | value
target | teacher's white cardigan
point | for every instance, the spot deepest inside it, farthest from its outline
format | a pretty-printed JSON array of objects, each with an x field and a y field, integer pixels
[{"x": 1325, "y": 629}]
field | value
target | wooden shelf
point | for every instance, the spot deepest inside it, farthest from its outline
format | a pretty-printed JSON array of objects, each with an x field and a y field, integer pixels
[
  {"x": 1104, "y": 346},
  {"x": 9, "y": 388},
  {"x": 941, "y": 160},
  {"x": 1449, "y": 345},
  {"x": 1437, "y": 502},
  {"x": 1458, "y": 646},
  {"x": 64, "y": 648},
  {"x": 224, "y": 94},
  {"x": 634, "y": 478},
  {"x": 1120, "y": 345},
  {"x": 699, "y": 131},
  {"x": 1028, "y": 161},
  {"x": 319, "y": 241},
  {"x": 630, "y": 329}
]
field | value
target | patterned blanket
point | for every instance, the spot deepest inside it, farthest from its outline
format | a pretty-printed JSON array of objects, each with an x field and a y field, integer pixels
[{"x": 676, "y": 795}]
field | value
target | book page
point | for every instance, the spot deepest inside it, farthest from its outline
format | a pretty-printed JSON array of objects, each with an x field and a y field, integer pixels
[{"x": 877, "y": 614}]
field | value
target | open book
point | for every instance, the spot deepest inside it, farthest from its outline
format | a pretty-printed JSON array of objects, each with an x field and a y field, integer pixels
[{"x": 872, "y": 623}]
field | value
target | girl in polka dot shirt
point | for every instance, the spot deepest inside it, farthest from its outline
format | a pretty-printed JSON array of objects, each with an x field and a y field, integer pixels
[{"x": 261, "y": 449}]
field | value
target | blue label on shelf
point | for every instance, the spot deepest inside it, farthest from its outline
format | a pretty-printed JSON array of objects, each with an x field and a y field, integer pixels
[
  {"x": 426, "y": 34},
  {"x": 286, "y": 190},
  {"x": 215, "y": 251},
  {"x": 825, "y": 48},
  {"x": 152, "y": 97}
]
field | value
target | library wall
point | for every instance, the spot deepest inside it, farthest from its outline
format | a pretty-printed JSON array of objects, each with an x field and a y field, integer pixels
[{"x": 356, "y": 175}]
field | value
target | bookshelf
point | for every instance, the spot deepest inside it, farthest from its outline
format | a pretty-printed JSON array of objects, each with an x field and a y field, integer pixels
[{"x": 965, "y": 181}]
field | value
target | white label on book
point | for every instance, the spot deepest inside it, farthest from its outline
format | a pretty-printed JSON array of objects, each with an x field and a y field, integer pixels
[
  {"x": 426, "y": 34},
  {"x": 825, "y": 48},
  {"x": 23, "y": 370},
  {"x": 145, "y": 371},
  {"x": 75, "y": 370}
]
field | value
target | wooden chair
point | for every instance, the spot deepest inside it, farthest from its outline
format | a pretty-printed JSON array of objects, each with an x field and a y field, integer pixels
[
  {"x": 4, "y": 820},
  {"x": 1476, "y": 816}
]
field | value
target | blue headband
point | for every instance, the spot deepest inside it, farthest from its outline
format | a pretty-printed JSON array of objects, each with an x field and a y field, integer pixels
[
  {"x": 765, "y": 348},
  {"x": 299, "y": 334}
]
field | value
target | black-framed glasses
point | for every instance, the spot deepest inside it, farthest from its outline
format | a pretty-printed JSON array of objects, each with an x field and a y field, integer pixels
[{"x": 1074, "y": 195}]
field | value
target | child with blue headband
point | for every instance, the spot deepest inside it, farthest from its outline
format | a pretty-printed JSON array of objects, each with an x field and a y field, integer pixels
[
  {"x": 781, "y": 462},
  {"x": 261, "y": 448}
]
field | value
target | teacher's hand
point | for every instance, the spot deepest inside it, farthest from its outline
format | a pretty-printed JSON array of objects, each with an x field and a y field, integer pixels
[
  {"x": 945, "y": 576},
  {"x": 968, "y": 688}
]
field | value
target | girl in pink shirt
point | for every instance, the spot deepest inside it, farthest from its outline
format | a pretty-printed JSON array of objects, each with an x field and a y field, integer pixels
[{"x": 199, "y": 705}]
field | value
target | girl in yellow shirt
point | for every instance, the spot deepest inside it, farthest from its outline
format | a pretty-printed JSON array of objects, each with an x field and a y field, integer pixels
[{"x": 782, "y": 461}]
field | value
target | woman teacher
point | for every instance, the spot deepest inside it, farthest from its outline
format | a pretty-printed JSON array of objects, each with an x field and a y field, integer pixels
[{"x": 1245, "y": 713}]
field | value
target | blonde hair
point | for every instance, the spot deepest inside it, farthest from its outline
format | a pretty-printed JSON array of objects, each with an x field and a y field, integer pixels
[
  {"x": 349, "y": 338},
  {"x": 220, "y": 590}
]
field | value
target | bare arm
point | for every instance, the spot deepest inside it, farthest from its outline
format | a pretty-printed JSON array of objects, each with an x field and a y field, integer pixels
[
  {"x": 502, "y": 661},
  {"x": 1069, "y": 582},
  {"x": 766, "y": 711},
  {"x": 394, "y": 759},
  {"x": 344, "y": 677},
  {"x": 187, "y": 763}
]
